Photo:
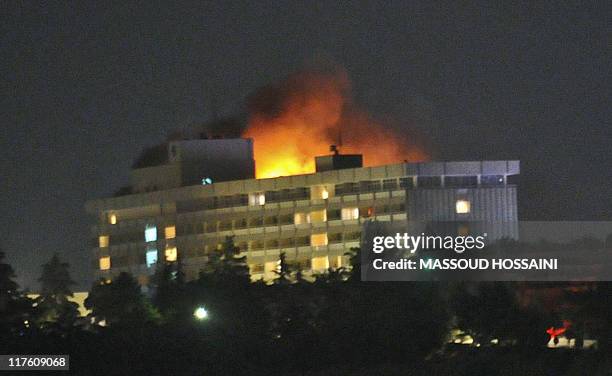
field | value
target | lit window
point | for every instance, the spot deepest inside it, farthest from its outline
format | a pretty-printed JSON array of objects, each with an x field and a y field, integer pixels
[
  {"x": 462, "y": 207},
  {"x": 349, "y": 213},
  {"x": 318, "y": 216},
  {"x": 301, "y": 218},
  {"x": 317, "y": 240},
  {"x": 112, "y": 219},
  {"x": 256, "y": 199},
  {"x": 335, "y": 262},
  {"x": 320, "y": 263},
  {"x": 151, "y": 257},
  {"x": 103, "y": 240},
  {"x": 272, "y": 266},
  {"x": 151, "y": 234},
  {"x": 171, "y": 254},
  {"x": 319, "y": 192},
  {"x": 105, "y": 263},
  {"x": 170, "y": 232}
]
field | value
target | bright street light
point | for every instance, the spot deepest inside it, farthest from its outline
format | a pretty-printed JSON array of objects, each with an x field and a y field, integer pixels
[{"x": 200, "y": 313}]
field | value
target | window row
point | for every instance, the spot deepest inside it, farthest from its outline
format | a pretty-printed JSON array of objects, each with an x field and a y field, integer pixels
[
  {"x": 150, "y": 235},
  {"x": 150, "y": 259},
  {"x": 316, "y": 264},
  {"x": 299, "y": 218},
  {"x": 151, "y": 256}
]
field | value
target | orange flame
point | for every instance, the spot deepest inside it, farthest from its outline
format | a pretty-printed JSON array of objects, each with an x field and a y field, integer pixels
[{"x": 298, "y": 119}]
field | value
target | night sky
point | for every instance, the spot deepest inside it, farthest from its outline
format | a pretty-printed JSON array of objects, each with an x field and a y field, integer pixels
[{"x": 86, "y": 86}]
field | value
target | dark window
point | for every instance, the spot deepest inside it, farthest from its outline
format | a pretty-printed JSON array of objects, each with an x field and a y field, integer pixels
[
  {"x": 240, "y": 223},
  {"x": 225, "y": 225},
  {"x": 369, "y": 186},
  {"x": 301, "y": 241},
  {"x": 346, "y": 189},
  {"x": 334, "y": 237},
  {"x": 460, "y": 181},
  {"x": 389, "y": 184},
  {"x": 492, "y": 180},
  {"x": 287, "y": 243},
  {"x": 407, "y": 183},
  {"x": 291, "y": 194},
  {"x": 429, "y": 181},
  {"x": 513, "y": 179},
  {"x": 238, "y": 200},
  {"x": 272, "y": 220},
  {"x": 352, "y": 236},
  {"x": 273, "y": 196},
  {"x": 211, "y": 226},
  {"x": 382, "y": 209},
  {"x": 210, "y": 202},
  {"x": 285, "y": 219},
  {"x": 301, "y": 193},
  {"x": 255, "y": 222},
  {"x": 271, "y": 244},
  {"x": 397, "y": 208},
  {"x": 333, "y": 214},
  {"x": 195, "y": 205},
  {"x": 225, "y": 201},
  {"x": 257, "y": 244}
]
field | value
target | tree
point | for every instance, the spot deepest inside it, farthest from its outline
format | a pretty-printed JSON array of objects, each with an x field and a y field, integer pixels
[
  {"x": 490, "y": 310},
  {"x": 233, "y": 268},
  {"x": 225, "y": 289},
  {"x": 171, "y": 296},
  {"x": 483, "y": 310},
  {"x": 226, "y": 270},
  {"x": 14, "y": 307},
  {"x": 591, "y": 311},
  {"x": 54, "y": 310},
  {"x": 283, "y": 272},
  {"x": 120, "y": 302}
]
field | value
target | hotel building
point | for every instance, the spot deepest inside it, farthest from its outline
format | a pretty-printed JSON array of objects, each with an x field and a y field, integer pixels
[{"x": 187, "y": 196}]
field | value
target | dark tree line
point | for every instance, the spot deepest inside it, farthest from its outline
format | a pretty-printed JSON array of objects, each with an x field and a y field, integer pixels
[{"x": 289, "y": 326}]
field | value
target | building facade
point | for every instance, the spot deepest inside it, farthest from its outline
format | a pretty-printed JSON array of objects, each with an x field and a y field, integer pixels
[{"x": 315, "y": 219}]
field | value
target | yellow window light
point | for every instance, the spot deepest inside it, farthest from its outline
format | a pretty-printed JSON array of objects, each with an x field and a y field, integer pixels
[
  {"x": 171, "y": 254},
  {"x": 317, "y": 240},
  {"x": 320, "y": 263},
  {"x": 318, "y": 216},
  {"x": 462, "y": 207},
  {"x": 301, "y": 218},
  {"x": 349, "y": 213},
  {"x": 105, "y": 263},
  {"x": 170, "y": 232},
  {"x": 103, "y": 241}
]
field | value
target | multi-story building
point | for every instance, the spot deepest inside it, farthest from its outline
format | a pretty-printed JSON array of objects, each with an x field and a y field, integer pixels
[{"x": 314, "y": 218}]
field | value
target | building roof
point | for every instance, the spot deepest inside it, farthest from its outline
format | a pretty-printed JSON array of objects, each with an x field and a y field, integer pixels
[{"x": 453, "y": 168}]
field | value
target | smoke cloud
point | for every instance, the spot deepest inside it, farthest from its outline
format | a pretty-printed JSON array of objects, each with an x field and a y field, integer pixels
[{"x": 294, "y": 120}]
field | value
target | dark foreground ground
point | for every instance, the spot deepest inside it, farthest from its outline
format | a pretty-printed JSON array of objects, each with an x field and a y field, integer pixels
[
  {"x": 155, "y": 356},
  {"x": 492, "y": 361}
]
